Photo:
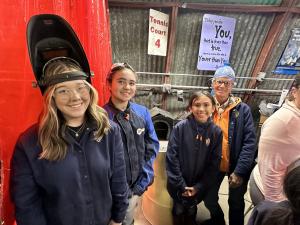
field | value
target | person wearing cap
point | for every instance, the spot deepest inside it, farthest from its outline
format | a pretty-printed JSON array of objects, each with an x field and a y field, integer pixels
[
  {"x": 238, "y": 148},
  {"x": 69, "y": 168},
  {"x": 279, "y": 146},
  {"x": 138, "y": 135}
]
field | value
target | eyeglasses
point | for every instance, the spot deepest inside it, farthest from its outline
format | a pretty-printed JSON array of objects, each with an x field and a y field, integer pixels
[
  {"x": 65, "y": 93},
  {"x": 220, "y": 82}
]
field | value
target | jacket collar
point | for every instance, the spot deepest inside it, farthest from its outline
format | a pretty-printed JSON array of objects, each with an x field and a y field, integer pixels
[
  {"x": 228, "y": 105},
  {"x": 197, "y": 124},
  {"x": 115, "y": 109},
  {"x": 90, "y": 126}
]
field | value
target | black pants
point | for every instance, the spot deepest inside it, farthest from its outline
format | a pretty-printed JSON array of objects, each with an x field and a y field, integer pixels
[
  {"x": 235, "y": 201},
  {"x": 180, "y": 209},
  {"x": 184, "y": 214}
]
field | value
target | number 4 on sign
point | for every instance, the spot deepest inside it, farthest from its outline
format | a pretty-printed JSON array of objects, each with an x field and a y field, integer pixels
[{"x": 157, "y": 43}]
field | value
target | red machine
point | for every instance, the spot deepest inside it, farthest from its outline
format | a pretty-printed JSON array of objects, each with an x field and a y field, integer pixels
[{"x": 20, "y": 103}]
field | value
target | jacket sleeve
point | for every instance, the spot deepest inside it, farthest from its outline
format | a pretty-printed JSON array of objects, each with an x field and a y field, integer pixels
[
  {"x": 247, "y": 154},
  {"x": 211, "y": 172},
  {"x": 24, "y": 190},
  {"x": 119, "y": 187},
  {"x": 151, "y": 149},
  {"x": 174, "y": 174}
]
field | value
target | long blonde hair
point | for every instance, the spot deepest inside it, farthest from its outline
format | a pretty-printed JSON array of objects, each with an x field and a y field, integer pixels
[{"x": 52, "y": 125}]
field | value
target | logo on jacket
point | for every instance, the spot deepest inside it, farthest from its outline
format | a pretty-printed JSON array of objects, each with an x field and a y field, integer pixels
[
  {"x": 207, "y": 142},
  {"x": 200, "y": 138},
  {"x": 139, "y": 131}
]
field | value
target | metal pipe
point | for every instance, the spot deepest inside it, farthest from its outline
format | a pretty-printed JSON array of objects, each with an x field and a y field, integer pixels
[
  {"x": 210, "y": 76},
  {"x": 205, "y": 88}
]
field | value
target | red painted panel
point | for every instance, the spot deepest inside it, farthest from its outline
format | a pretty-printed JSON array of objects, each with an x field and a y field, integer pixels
[{"x": 20, "y": 104}]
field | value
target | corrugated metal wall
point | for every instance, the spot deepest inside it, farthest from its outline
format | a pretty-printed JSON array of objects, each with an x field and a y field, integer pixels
[
  {"x": 282, "y": 81},
  {"x": 129, "y": 40},
  {"x": 129, "y": 31},
  {"x": 250, "y": 33}
]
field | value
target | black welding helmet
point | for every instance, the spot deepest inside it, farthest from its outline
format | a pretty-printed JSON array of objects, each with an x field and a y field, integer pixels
[{"x": 50, "y": 37}]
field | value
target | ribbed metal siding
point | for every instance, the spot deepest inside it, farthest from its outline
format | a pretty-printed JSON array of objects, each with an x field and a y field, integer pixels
[
  {"x": 275, "y": 56},
  {"x": 129, "y": 39},
  {"x": 250, "y": 33},
  {"x": 129, "y": 31}
]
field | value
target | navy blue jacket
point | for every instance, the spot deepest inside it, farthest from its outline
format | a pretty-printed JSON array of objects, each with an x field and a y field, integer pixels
[
  {"x": 87, "y": 187},
  {"x": 242, "y": 140},
  {"x": 193, "y": 156},
  {"x": 275, "y": 213},
  {"x": 140, "y": 144}
]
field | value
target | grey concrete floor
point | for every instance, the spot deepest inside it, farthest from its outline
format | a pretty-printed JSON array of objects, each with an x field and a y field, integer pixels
[{"x": 154, "y": 207}]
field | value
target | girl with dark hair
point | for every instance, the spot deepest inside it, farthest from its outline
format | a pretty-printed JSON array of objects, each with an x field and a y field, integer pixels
[
  {"x": 138, "y": 135},
  {"x": 193, "y": 158}
]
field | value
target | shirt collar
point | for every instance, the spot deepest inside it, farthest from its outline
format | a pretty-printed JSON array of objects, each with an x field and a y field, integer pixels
[{"x": 220, "y": 108}]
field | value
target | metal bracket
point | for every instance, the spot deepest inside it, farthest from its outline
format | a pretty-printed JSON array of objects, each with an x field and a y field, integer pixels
[
  {"x": 260, "y": 76},
  {"x": 166, "y": 88}
]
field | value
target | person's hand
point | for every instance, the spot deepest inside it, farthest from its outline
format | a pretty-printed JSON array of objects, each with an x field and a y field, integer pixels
[
  {"x": 114, "y": 223},
  {"x": 235, "y": 180},
  {"x": 189, "y": 192}
]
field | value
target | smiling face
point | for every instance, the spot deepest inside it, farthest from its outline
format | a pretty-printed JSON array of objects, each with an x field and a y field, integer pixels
[
  {"x": 72, "y": 98},
  {"x": 122, "y": 87},
  {"x": 222, "y": 88},
  {"x": 202, "y": 108}
]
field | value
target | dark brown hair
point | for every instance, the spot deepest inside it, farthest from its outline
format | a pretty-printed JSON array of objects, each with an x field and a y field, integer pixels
[
  {"x": 296, "y": 84},
  {"x": 291, "y": 186},
  {"x": 297, "y": 81},
  {"x": 117, "y": 67},
  {"x": 198, "y": 94}
]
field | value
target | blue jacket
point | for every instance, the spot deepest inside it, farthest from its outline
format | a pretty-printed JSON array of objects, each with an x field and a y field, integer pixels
[
  {"x": 242, "y": 140},
  {"x": 275, "y": 213},
  {"x": 140, "y": 144},
  {"x": 193, "y": 156},
  {"x": 88, "y": 186}
]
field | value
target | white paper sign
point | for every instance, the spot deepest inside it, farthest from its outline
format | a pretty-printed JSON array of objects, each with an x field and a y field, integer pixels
[
  {"x": 215, "y": 42},
  {"x": 158, "y": 33}
]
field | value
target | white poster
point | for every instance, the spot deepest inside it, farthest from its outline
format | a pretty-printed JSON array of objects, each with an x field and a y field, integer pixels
[
  {"x": 215, "y": 42},
  {"x": 158, "y": 33}
]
